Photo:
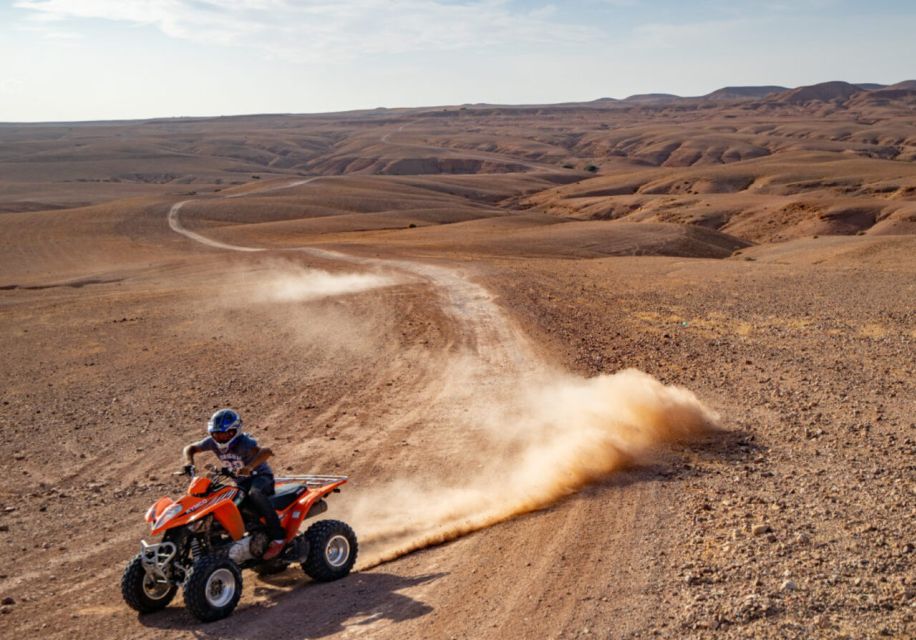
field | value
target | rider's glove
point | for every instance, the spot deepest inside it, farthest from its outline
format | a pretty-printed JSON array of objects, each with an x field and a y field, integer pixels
[{"x": 188, "y": 470}]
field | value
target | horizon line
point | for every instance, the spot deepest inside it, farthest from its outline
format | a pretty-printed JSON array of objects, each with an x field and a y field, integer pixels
[{"x": 151, "y": 119}]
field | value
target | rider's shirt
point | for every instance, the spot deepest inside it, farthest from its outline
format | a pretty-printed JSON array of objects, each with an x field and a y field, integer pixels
[{"x": 239, "y": 452}]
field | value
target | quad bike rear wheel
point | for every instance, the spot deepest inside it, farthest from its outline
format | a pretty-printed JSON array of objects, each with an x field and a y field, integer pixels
[
  {"x": 141, "y": 591},
  {"x": 213, "y": 589},
  {"x": 332, "y": 550}
]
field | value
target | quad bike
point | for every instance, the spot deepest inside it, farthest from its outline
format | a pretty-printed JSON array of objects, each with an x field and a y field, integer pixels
[{"x": 209, "y": 536}]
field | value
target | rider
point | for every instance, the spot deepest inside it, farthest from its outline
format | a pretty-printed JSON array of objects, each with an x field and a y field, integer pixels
[{"x": 241, "y": 454}]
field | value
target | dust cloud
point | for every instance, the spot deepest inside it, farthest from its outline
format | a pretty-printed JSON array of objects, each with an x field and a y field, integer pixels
[
  {"x": 298, "y": 284},
  {"x": 549, "y": 438},
  {"x": 503, "y": 432},
  {"x": 534, "y": 434},
  {"x": 315, "y": 310}
]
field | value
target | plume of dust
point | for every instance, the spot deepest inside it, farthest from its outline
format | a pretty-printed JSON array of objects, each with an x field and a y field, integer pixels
[
  {"x": 542, "y": 442},
  {"x": 320, "y": 313},
  {"x": 297, "y": 284}
]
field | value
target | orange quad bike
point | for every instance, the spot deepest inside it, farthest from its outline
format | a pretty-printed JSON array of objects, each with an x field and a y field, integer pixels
[{"x": 209, "y": 536}]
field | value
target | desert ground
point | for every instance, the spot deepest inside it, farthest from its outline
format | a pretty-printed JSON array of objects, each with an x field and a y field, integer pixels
[{"x": 619, "y": 369}]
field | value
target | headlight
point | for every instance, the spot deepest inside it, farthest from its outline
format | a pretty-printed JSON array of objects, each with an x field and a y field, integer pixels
[{"x": 167, "y": 515}]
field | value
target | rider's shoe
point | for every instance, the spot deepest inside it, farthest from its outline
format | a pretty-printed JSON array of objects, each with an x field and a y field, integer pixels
[{"x": 273, "y": 549}]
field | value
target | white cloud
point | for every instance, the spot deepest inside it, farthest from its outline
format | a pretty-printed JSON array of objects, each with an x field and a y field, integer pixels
[
  {"x": 49, "y": 31},
  {"x": 11, "y": 85},
  {"x": 324, "y": 29},
  {"x": 685, "y": 34}
]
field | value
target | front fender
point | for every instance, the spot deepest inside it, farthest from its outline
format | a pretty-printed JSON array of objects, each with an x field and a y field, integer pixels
[
  {"x": 228, "y": 515},
  {"x": 220, "y": 505}
]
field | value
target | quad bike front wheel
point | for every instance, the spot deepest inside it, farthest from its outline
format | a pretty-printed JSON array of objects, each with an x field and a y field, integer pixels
[
  {"x": 141, "y": 591},
  {"x": 332, "y": 550},
  {"x": 213, "y": 589}
]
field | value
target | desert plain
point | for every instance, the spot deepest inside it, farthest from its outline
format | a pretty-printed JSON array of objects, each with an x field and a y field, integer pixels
[{"x": 434, "y": 302}]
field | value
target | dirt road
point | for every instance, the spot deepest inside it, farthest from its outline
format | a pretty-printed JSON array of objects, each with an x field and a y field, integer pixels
[{"x": 488, "y": 401}]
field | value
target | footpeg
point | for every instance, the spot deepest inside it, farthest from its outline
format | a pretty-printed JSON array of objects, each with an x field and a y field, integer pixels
[{"x": 297, "y": 550}]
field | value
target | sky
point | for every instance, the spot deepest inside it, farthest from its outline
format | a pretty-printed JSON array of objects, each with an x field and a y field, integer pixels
[{"x": 121, "y": 59}]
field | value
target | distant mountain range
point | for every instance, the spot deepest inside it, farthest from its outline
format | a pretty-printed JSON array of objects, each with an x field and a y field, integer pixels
[
  {"x": 653, "y": 98},
  {"x": 736, "y": 93},
  {"x": 836, "y": 91}
]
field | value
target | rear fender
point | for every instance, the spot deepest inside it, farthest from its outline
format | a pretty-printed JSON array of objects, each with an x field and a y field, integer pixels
[{"x": 310, "y": 503}]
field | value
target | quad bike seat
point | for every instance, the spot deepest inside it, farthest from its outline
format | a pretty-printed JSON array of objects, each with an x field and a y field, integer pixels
[{"x": 286, "y": 494}]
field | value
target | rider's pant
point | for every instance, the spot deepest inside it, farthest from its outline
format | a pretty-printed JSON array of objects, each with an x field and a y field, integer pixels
[{"x": 258, "y": 489}]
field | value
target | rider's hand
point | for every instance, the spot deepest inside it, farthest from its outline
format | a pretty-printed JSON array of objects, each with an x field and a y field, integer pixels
[{"x": 188, "y": 470}]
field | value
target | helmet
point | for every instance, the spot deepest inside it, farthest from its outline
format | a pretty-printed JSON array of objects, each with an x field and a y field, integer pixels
[{"x": 225, "y": 421}]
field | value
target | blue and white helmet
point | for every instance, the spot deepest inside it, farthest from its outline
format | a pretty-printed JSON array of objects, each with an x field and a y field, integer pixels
[{"x": 223, "y": 421}]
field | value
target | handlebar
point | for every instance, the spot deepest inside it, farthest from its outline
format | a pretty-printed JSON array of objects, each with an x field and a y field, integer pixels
[
  {"x": 190, "y": 470},
  {"x": 226, "y": 471}
]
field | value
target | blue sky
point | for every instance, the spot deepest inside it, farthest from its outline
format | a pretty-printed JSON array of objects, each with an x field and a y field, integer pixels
[{"x": 98, "y": 59}]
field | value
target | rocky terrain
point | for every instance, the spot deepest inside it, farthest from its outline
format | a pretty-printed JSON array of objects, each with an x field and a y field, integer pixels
[{"x": 754, "y": 246}]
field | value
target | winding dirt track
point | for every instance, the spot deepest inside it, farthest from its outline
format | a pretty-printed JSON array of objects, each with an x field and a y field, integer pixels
[{"x": 482, "y": 354}]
